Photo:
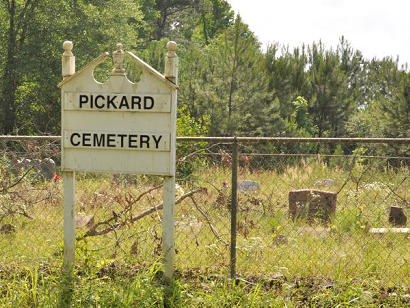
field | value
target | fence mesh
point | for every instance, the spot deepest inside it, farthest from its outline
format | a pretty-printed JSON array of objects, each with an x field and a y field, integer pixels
[
  {"x": 298, "y": 214},
  {"x": 314, "y": 215}
]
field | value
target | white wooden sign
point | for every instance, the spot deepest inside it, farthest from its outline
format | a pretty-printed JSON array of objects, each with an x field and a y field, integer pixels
[{"x": 118, "y": 126}]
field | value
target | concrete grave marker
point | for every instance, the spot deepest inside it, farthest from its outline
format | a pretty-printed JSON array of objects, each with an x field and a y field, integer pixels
[
  {"x": 397, "y": 216},
  {"x": 313, "y": 204},
  {"x": 48, "y": 168},
  {"x": 248, "y": 186}
]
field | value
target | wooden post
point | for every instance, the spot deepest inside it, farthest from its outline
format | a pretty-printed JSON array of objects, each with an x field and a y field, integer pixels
[
  {"x": 168, "y": 226},
  {"x": 68, "y": 69},
  {"x": 68, "y": 60},
  {"x": 171, "y": 63},
  {"x": 69, "y": 205},
  {"x": 234, "y": 206},
  {"x": 171, "y": 73}
]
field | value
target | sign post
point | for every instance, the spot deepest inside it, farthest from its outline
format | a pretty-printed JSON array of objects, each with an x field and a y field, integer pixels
[
  {"x": 119, "y": 127},
  {"x": 68, "y": 69},
  {"x": 69, "y": 207},
  {"x": 171, "y": 73}
]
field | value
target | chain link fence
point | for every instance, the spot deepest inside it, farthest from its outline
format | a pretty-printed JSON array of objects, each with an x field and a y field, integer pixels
[
  {"x": 297, "y": 213},
  {"x": 316, "y": 216}
]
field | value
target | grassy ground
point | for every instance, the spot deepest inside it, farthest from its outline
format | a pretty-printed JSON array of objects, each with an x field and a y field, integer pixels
[
  {"x": 121, "y": 286},
  {"x": 279, "y": 262}
]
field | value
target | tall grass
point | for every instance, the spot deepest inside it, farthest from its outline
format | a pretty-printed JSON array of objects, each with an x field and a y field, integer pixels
[
  {"x": 280, "y": 261},
  {"x": 126, "y": 288}
]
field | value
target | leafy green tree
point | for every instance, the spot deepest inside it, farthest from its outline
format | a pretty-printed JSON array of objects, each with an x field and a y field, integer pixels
[
  {"x": 300, "y": 122},
  {"x": 33, "y": 55},
  {"x": 286, "y": 76},
  {"x": 189, "y": 126},
  {"x": 327, "y": 91},
  {"x": 185, "y": 20},
  {"x": 236, "y": 78},
  {"x": 214, "y": 17},
  {"x": 18, "y": 15},
  {"x": 160, "y": 15},
  {"x": 387, "y": 115}
]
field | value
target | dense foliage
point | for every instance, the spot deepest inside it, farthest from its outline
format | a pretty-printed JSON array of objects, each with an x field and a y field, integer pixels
[{"x": 228, "y": 84}]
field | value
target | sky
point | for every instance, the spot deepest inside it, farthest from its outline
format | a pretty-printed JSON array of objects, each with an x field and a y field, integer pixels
[{"x": 377, "y": 28}]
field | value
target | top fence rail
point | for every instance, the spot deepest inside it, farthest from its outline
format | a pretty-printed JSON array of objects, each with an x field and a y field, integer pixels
[{"x": 245, "y": 139}]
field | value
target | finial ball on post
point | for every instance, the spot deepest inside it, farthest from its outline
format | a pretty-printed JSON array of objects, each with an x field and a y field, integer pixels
[
  {"x": 68, "y": 46},
  {"x": 68, "y": 60},
  {"x": 118, "y": 59},
  {"x": 172, "y": 46},
  {"x": 171, "y": 62}
]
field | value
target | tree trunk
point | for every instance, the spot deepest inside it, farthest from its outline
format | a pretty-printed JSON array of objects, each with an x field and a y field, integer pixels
[
  {"x": 10, "y": 77},
  {"x": 20, "y": 15},
  {"x": 10, "y": 85}
]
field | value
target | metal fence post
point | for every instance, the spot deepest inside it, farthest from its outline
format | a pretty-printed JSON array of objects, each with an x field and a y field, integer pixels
[{"x": 234, "y": 204}]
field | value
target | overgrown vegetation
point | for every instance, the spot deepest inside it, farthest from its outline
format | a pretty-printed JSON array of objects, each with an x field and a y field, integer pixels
[
  {"x": 279, "y": 261},
  {"x": 128, "y": 287},
  {"x": 227, "y": 86}
]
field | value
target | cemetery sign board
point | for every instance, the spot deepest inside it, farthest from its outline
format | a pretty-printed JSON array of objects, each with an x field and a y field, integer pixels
[{"x": 118, "y": 126}]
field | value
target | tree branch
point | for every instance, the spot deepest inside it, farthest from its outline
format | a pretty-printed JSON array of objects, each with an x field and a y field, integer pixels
[
  {"x": 25, "y": 19},
  {"x": 208, "y": 221},
  {"x": 23, "y": 11},
  {"x": 394, "y": 190},
  {"x": 4, "y": 190},
  {"x": 125, "y": 210},
  {"x": 348, "y": 176},
  {"x": 94, "y": 232},
  {"x": 7, "y": 4}
]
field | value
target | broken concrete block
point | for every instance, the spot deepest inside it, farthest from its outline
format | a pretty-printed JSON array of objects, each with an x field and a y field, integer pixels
[
  {"x": 397, "y": 216},
  {"x": 312, "y": 204},
  {"x": 47, "y": 169},
  {"x": 7, "y": 229}
]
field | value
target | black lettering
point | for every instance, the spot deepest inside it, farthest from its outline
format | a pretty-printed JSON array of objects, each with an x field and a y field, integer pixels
[
  {"x": 132, "y": 141},
  {"x": 83, "y": 100},
  {"x": 72, "y": 139},
  {"x": 96, "y": 101},
  {"x": 144, "y": 139},
  {"x": 146, "y": 99},
  {"x": 135, "y": 100},
  {"x": 124, "y": 102},
  {"x": 86, "y": 139},
  {"x": 111, "y": 140},
  {"x": 110, "y": 102},
  {"x": 157, "y": 140},
  {"x": 122, "y": 136},
  {"x": 99, "y": 140}
]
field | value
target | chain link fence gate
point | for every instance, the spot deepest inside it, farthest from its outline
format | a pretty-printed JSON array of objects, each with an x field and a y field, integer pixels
[{"x": 285, "y": 224}]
